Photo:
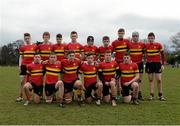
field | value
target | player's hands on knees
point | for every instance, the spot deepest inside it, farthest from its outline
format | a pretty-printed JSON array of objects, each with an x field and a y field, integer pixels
[
  {"x": 106, "y": 83},
  {"x": 127, "y": 83},
  {"x": 113, "y": 79},
  {"x": 162, "y": 67}
]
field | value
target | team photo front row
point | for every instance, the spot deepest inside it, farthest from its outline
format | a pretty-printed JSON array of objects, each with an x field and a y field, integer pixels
[{"x": 65, "y": 72}]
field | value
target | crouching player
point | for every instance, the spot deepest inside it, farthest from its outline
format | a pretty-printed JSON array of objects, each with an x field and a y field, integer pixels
[
  {"x": 71, "y": 81},
  {"x": 34, "y": 80},
  {"x": 52, "y": 82},
  {"x": 107, "y": 71},
  {"x": 89, "y": 71},
  {"x": 129, "y": 78}
]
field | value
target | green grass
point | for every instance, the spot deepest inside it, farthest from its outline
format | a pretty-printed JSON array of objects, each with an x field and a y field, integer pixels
[{"x": 148, "y": 112}]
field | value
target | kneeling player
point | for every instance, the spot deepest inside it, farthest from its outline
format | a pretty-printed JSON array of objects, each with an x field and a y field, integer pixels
[
  {"x": 107, "y": 71},
  {"x": 34, "y": 80},
  {"x": 52, "y": 83},
  {"x": 71, "y": 81},
  {"x": 89, "y": 70},
  {"x": 129, "y": 77}
]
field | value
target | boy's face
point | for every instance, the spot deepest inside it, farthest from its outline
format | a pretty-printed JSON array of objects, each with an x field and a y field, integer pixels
[
  {"x": 46, "y": 38},
  {"x": 90, "y": 59},
  {"x": 151, "y": 38},
  {"x": 59, "y": 40},
  {"x": 90, "y": 43},
  {"x": 27, "y": 39},
  {"x": 121, "y": 35},
  {"x": 127, "y": 59},
  {"x": 135, "y": 38},
  {"x": 71, "y": 56},
  {"x": 53, "y": 58},
  {"x": 74, "y": 37},
  {"x": 37, "y": 58},
  {"x": 106, "y": 42},
  {"x": 108, "y": 56}
]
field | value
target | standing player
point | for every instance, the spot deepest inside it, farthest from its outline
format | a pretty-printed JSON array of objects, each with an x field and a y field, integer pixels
[
  {"x": 107, "y": 71},
  {"x": 75, "y": 46},
  {"x": 120, "y": 46},
  {"x": 89, "y": 71},
  {"x": 129, "y": 77},
  {"x": 70, "y": 77},
  {"x": 59, "y": 48},
  {"x": 104, "y": 48},
  {"x": 91, "y": 48},
  {"x": 45, "y": 48},
  {"x": 27, "y": 52},
  {"x": 34, "y": 80},
  {"x": 52, "y": 82},
  {"x": 136, "y": 50},
  {"x": 155, "y": 64}
]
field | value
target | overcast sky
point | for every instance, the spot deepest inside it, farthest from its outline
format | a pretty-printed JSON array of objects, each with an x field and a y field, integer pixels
[{"x": 88, "y": 17}]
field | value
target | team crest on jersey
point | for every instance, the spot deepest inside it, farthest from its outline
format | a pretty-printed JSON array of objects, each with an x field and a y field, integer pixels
[
  {"x": 155, "y": 47},
  {"x": 31, "y": 48},
  {"x": 131, "y": 68},
  {"x": 49, "y": 48}
]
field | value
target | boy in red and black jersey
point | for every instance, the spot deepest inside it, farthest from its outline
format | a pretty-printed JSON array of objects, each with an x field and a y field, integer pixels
[
  {"x": 89, "y": 70},
  {"x": 71, "y": 78},
  {"x": 155, "y": 60},
  {"x": 129, "y": 78},
  {"x": 59, "y": 48},
  {"x": 75, "y": 46},
  {"x": 104, "y": 48},
  {"x": 90, "y": 48},
  {"x": 136, "y": 50},
  {"x": 34, "y": 80},
  {"x": 120, "y": 46},
  {"x": 107, "y": 72},
  {"x": 52, "y": 81},
  {"x": 46, "y": 47},
  {"x": 26, "y": 57}
]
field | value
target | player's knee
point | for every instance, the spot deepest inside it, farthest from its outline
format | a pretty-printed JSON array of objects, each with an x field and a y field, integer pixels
[
  {"x": 26, "y": 86},
  {"x": 59, "y": 84},
  {"x": 159, "y": 81},
  {"x": 112, "y": 83},
  {"x": 99, "y": 85},
  {"x": 135, "y": 85},
  {"x": 127, "y": 99},
  {"x": 78, "y": 84}
]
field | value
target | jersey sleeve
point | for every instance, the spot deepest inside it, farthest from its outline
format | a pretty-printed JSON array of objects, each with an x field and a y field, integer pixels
[
  {"x": 21, "y": 50},
  {"x": 136, "y": 69}
]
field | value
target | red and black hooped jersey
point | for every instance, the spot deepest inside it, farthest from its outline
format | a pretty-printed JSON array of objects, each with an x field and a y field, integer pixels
[
  {"x": 91, "y": 49},
  {"x": 52, "y": 73},
  {"x": 102, "y": 50},
  {"x": 128, "y": 71},
  {"x": 45, "y": 50},
  {"x": 108, "y": 70},
  {"x": 136, "y": 50},
  {"x": 78, "y": 48},
  {"x": 70, "y": 70},
  {"x": 59, "y": 49},
  {"x": 90, "y": 73},
  {"x": 155, "y": 52},
  {"x": 27, "y": 52},
  {"x": 120, "y": 46},
  {"x": 35, "y": 73}
]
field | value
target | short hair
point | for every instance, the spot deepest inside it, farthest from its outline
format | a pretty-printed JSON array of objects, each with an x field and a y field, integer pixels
[
  {"x": 121, "y": 30},
  {"x": 89, "y": 54},
  {"x": 73, "y": 32},
  {"x": 70, "y": 52},
  {"x": 151, "y": 34},
  {"x": 58, "y": 36},
  {"x": 90, "y": 39},
  {"x": 46, "y": 34},
  {"x": 27, "y": 34},
  {"x": 37, "y": 53},
  {"x": 52, "y": 53},
  {"x": 135, "y": 33},
  {"x": 106, "y": 38},
  {"x": 126, "y": 54},
  {"x": 108, "y": 51}
]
